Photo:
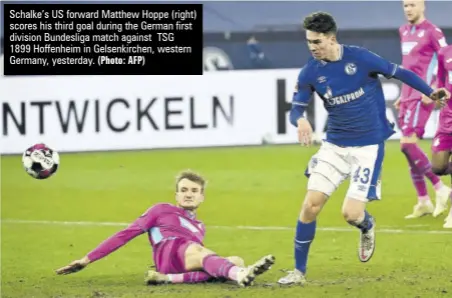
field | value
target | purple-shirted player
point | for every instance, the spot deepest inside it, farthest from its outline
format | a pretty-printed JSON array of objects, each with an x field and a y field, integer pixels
[
  {"x": 176, "y": 237},
  {"x": 420, "y": 43},
  {"x": 442, "y": 142}
]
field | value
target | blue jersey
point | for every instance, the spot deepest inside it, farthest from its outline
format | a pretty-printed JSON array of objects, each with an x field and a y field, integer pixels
[{"x": 352, "y": 95}]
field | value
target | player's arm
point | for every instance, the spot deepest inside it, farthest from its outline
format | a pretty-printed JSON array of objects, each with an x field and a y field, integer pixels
[
  {"x": 437, "y": 39},
  {"x": 441, "y": 73},
  {"x": 300, "y": 101},
  {"x": 302, "y": 95},
  {"x": 138, "y": 227},
  {"x": 378, "y": 65}
]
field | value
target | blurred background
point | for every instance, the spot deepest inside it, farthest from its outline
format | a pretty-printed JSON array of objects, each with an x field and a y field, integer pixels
[
  {"x": 262, "y": 39},
  {"x": 267, "y": 34},
  {"x": 247, "y": 35}
]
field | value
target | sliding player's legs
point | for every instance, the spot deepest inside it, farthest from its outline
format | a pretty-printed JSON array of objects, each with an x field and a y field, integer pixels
[
  {"x": 198, "y": 258},
  {"x": 153, "y": 277},
  {"x": 326, "y": 171},
  {"x": 441, "y": 163},
  {"x": 412, "y": 119},
  {"x": 185, "y": 261}
]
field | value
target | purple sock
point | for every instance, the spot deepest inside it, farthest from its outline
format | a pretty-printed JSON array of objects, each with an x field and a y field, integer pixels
[
  {"x": 419, "y": 184},
  {"x": 419, "y": 161},
  {"x": 220, "y": 267},
  {"x": 189, "y": 277}
]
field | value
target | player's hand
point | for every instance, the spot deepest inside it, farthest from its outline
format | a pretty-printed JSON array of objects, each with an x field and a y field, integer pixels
[
  {"x": 397, "y": 104},
  {"x": 441, "y": 96},
  {"x": 304, "y": 132},
  {"x": 73, "y": 267},
  {"x": 426, "y": 100}
]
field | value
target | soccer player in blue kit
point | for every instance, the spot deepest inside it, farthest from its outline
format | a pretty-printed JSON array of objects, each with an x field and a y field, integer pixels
[{"x": 346, "y": 79}]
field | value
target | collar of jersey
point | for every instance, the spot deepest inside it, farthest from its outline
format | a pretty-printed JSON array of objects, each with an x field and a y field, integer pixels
[
  {"x": 341, "y": 55},
  {"x": 417, "y": 26}
]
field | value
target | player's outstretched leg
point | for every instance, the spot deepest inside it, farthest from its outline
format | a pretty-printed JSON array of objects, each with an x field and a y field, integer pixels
[
  {"x": 424, "y": 205},
  {"x": 305, "y": 232},
  {"x": 355, "y": 213},
  {"x": 199, "y": 258},
  {"x": 153, "y": 277}
]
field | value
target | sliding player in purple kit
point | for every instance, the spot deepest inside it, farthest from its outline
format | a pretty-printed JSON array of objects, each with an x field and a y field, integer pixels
[
  {"x": 346, "y": 78},
  {"x": 176, "y": 237},
  {"x": 420, "y": 43},
  {"x": 442, "y": 142}
]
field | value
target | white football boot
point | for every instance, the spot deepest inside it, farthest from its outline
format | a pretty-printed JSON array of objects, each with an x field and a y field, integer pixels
[
  {"x": 448, "y": 221},
  {"x": 366, "y": 246},
  {"x": 246, "y": 276},
  {"x": 155, "y": 278},
  {"x": 442, "y": 199},
  {"x": 294, "y": 277},
  {"x": 421, "y": 209}
]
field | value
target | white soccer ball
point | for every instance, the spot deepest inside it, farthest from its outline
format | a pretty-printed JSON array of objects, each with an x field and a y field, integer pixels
[{"x": 40, "y": 161}]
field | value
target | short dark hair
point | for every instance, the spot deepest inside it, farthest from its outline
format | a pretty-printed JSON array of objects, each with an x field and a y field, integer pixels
[
  {"x": 320, "y": 22},
  {"x": 192, "y": 176}
]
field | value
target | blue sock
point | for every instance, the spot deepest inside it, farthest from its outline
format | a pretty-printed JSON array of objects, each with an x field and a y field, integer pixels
[
  {"x": 303, "y": 239},
  {"x": 366, "y": 224}
]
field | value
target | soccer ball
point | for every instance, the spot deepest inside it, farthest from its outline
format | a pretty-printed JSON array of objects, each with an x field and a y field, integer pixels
[{"x": 40, "y": 161}]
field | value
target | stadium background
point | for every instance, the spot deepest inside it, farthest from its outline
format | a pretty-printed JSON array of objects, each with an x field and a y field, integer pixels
[
  {"x": 259, "y": 39},
  {"x": 252, "y": 54}
]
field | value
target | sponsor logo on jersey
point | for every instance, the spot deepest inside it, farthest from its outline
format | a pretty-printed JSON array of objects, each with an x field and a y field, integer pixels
[
  {"x": 408, "y": 46},
  {"x": 338, "y": 100}
]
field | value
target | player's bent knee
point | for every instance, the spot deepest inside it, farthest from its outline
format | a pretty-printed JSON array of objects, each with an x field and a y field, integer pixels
[
  {"x": 194, "y": 256},
  {"x": 237, "y": 261},
  {"x": 351, "y": 215},
  {"x": 314, "y": 202},
  {"x": 353, "y": 209}
]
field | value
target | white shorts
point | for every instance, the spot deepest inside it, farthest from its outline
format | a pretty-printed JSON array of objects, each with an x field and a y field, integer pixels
[{"x": 332, "y": 164}]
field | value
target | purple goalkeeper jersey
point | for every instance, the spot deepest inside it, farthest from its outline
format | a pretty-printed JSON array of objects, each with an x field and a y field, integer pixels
[
  {"x": 420, "y": 45},
  {"x": 161, "y": 222}
]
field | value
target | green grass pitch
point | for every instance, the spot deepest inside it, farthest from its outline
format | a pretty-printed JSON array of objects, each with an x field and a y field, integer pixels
[{"x": 260, "y": 187}]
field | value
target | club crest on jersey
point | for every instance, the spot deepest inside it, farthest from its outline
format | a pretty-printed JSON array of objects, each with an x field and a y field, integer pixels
[
  {"x": 321, "y": 79},
  {"x": 421, "y": 33},
  {"x": 350, "y": 68},
  {"x": 328, "y": 94}
]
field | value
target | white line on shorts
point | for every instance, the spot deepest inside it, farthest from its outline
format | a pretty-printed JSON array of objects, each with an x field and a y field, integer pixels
[{"x": 386, "y": 230}]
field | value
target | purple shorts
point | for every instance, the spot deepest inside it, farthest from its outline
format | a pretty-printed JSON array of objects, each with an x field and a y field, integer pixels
[
  {"x": 413, "y": 117},
  {"x": 169, "y": 255},
  {"x": 442, "y": 142}
]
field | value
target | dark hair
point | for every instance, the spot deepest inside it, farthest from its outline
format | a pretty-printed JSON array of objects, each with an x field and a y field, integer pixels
[
  {"x": 320, "y": 22},
  {"x": 192, "y": 176}
]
